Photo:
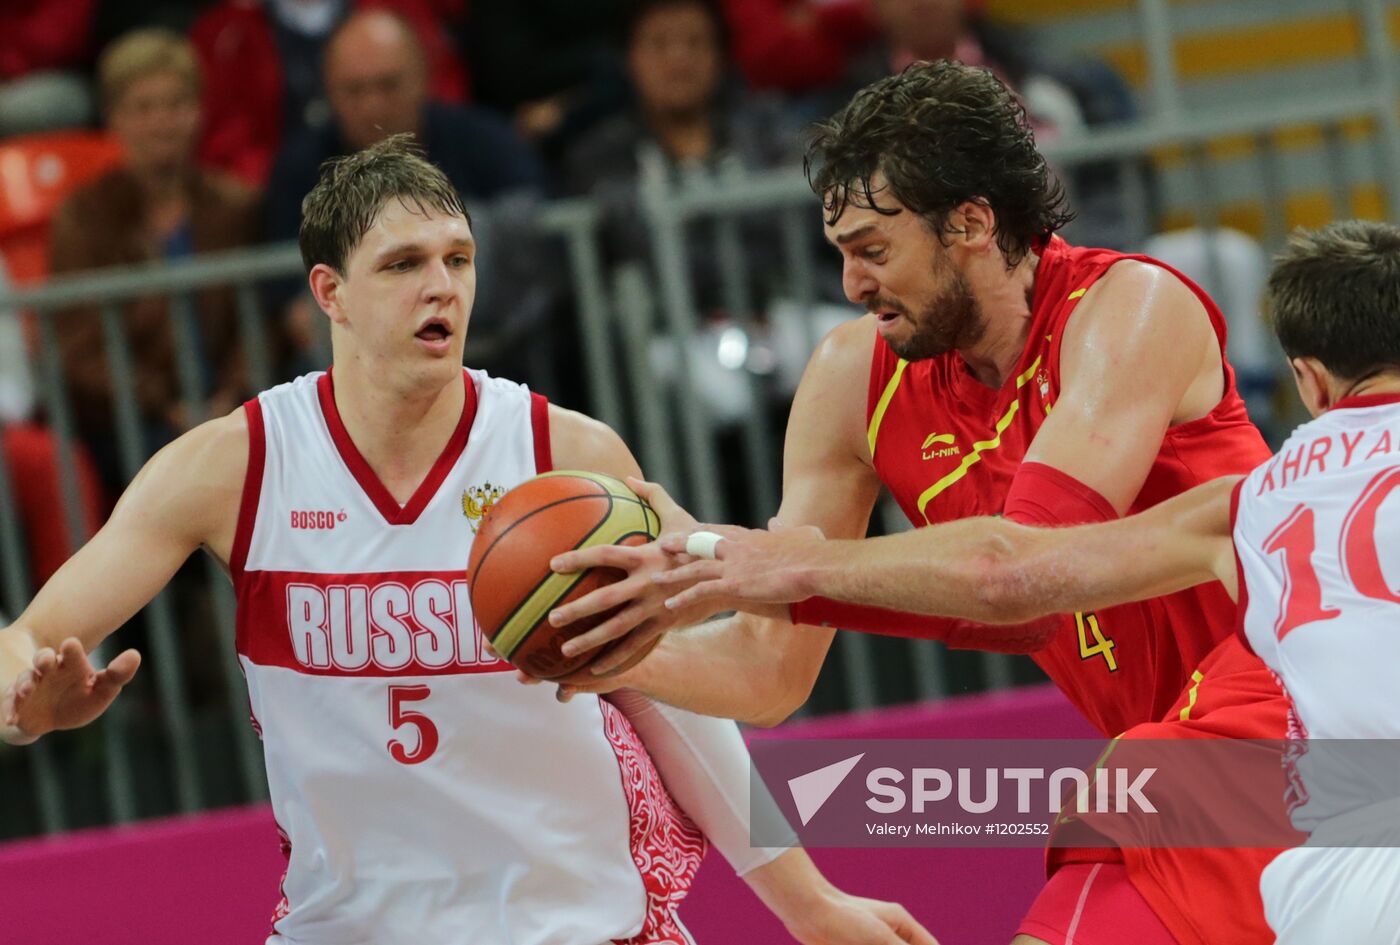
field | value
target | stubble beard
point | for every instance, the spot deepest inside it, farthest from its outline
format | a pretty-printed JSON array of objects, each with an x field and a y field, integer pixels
[{"x": 952, "y": 321}]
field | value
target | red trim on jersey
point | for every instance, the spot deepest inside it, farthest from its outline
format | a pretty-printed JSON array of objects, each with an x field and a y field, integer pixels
[
  {"x": 1042, "y": 495},
  {"x": 666, "y": 845},
  {"x": 1242, "y": 592},
  {"x": 539, "y": 422},
  {"x": 383, "y": 500},
  {"x": 252, "y": 489},
  {"x": 1357, "y": 401},
  {"x": 281, "y": 612}
]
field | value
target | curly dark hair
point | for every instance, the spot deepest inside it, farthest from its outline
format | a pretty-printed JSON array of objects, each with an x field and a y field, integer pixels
[{"x": 942, "y": 134}]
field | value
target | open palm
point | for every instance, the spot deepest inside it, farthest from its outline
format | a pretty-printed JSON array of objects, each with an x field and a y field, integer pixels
[{"x": 62, "y": 689}]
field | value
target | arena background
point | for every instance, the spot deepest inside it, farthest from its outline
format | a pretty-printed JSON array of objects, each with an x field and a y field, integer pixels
[{"x": 676, "y": 300}]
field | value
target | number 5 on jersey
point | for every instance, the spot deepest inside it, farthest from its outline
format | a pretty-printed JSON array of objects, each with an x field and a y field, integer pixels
[{"x": 399, "y": 717}]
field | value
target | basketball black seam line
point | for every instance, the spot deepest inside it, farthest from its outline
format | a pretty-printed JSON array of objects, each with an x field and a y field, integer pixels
[
  {"x": 471, "y": 578},
  {"x": 531, "y": 593},
  {"x": 581, "y": 576},
  {"x": 557, "y": 502},
  {"x": 529, "y": 633}
]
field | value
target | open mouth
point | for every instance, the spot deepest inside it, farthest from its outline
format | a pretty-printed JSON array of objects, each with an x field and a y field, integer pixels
[{"x": 434, "y": 330}]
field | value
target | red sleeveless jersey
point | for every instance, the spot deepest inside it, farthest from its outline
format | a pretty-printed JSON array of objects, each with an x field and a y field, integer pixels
[{"x": 948, "y": 446}]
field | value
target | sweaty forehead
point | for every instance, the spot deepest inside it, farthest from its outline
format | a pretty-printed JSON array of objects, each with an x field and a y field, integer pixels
[
  {"x": 858, "y": 223},
  {"x": 403, "y": 216},
  {"x": 398, "y": 226},
  {"x": 857, "y": 205}
]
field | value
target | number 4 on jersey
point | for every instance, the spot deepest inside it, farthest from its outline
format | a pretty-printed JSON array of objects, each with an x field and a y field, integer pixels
[{"x": 1088, "y": 626}]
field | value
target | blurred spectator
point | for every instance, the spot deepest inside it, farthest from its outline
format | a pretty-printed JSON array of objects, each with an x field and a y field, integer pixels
[
  {"x": 44, "y": 44},
  {"x": 797, "y": 45},
  {"x": 1061, "y": 98},
  {"x": 262, "y": 68},
  {"x": 377, "y": 83},
  {"x": 159, "y": 205},
  {"x": 549, "y": 64},
  {"x": 684, "y": 120}
]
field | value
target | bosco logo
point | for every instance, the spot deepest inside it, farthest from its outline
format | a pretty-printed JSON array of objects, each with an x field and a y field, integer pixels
[{"x": 317, "y": 520}]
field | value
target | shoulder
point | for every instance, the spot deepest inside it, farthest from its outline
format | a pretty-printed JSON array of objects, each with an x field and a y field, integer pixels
[
  {"x": 195, "y": 484},
  {"x": 1133, "y": 295},
  {"x": 828, "y": 412},
  {"x": 844, "y": 355},
  {"x": 577, "y": 441}
]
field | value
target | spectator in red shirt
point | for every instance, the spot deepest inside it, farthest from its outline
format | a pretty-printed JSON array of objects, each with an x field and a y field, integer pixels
[
  {"x": 262, "y": 68},
  {"x": 44, "y": 42},
  {"x": 797, "y": 45}
]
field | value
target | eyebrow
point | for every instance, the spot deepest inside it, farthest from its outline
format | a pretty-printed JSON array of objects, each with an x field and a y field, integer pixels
[
  {"x": 843, "y": 238},
  {"x": 409, "y": 249}
]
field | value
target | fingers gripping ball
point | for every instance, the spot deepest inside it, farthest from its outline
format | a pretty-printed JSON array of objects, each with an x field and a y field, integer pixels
[{"x": 512, "y": 587}]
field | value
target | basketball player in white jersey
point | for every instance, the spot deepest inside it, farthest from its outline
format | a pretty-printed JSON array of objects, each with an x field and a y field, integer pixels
[
  {"x": 423, "y": 796},
  {"x": 1309, "y": 544}
]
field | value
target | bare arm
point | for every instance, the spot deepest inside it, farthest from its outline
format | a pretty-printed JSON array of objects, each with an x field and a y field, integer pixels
[
  {"x": 705, "y": 765},
  {"x": 1139, "y": 355},
  {"x": 185, "y": 497},
  {"x": 756, "y": 669},
  {"x": 987, "y": 569}
]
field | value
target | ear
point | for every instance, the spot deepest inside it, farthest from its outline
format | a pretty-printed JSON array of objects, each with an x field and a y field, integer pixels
[
  {"x": 326, "y": 287},
  {"x": 1313, "y": 382},
  {"x": 974, "y": 224}
]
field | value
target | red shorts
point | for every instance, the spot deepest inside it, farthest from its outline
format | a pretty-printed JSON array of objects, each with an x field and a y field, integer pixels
[
  {"x": 1093, "y": 904},
  {"x": 1202, "y": 895}
]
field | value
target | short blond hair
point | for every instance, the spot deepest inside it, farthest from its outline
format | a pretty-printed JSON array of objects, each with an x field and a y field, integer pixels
[{"x": 141, "y": 53}]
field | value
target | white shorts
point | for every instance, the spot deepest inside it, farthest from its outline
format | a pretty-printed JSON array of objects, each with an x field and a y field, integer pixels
[{"x": 1317, "y": 894}]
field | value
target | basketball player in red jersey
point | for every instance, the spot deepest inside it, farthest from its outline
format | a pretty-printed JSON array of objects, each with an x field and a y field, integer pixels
[
  {"x": 1002, "y": 371},
  {"x": 390, "y": 255}
]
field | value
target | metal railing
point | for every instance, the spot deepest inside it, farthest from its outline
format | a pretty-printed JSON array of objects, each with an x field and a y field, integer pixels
[{"x": 174, "y": 750}]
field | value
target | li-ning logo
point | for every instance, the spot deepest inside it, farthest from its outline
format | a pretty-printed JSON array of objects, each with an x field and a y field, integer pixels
[
  {"x": 477, "y": 501},
  {"x": 938, "y": 445},
  {"x": 317, "y": 521}
]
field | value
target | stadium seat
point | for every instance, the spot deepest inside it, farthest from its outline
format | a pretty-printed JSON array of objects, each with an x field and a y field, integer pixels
[{"x": 36, "y": 173}]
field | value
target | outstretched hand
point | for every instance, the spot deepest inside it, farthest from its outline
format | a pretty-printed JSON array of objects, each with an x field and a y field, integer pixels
[
  {"x": 62, "y": 690},
  {"x": 752, "y": 570},
  {"x": 643, "y": 615}
]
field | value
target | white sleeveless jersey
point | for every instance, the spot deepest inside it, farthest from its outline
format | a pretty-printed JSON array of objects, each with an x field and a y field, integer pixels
[
  {"x": 424, "y": 795},
  {"x": 1317, "y": 532}
]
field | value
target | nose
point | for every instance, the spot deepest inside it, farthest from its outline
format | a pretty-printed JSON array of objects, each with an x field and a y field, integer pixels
[
  {"x": 439, "y": 285},
  {"x": 856, "y": 281}
]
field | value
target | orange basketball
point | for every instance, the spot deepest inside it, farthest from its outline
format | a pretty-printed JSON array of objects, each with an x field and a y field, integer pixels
[{"x": 512, "y": 587}]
